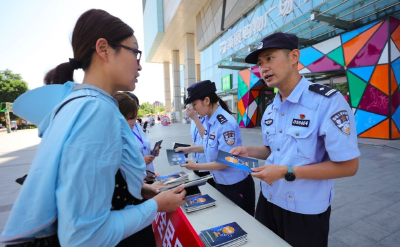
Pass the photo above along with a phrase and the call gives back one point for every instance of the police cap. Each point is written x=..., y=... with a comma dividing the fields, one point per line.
x=199, y=90
x=275, y=40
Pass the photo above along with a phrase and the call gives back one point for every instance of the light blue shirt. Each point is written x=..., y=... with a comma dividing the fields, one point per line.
x=143, y=143
x=197, y=140
x=223, y=133
x=72, y=177
x=305, y=129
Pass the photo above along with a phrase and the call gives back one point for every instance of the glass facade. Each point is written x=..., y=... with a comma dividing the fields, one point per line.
x=226, y=54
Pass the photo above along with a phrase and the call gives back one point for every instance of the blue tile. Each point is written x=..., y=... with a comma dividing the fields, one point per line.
x=365, y=120
x=363, y=72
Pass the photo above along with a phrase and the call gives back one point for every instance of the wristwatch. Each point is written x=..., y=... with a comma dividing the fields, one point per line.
x=289, y=176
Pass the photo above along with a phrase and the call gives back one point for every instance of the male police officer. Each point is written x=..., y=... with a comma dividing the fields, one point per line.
x=309, y=139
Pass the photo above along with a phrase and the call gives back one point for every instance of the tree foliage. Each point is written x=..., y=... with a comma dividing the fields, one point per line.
x=145, y=108
x=11, y=86
x=159, y=109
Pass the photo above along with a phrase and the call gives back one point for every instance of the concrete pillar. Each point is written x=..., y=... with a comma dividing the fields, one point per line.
x=198, y=73
x=167, y=88
x=190, y=70
x=176, y=92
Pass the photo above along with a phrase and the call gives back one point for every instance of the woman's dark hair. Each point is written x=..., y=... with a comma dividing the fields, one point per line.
x=214, y=99
x=91, y=26
x=127, y=106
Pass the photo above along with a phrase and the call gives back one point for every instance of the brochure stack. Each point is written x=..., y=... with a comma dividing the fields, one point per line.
x=226, y=235
x=197, y=203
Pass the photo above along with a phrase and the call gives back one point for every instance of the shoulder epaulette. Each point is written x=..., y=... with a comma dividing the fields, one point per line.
x=322, y=89
x=221, y=119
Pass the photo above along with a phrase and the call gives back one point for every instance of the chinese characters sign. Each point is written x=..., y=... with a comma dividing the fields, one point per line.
x=226, y=82
x=174, y=230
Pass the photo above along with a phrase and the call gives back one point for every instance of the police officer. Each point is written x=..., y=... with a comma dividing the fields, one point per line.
x=222, y=133
x=309, y=139
x=197, y=130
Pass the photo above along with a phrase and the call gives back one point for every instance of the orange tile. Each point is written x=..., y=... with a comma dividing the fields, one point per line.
x=241, y=107
x=380, y=78
x=245, y=74
x=300, y=66
x=254, y=118
x=379, y=131
x=352, y=47
x=395, y=131
x=255, y=94
x=396, y=37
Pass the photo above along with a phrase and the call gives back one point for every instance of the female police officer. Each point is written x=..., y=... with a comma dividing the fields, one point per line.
x=222, y=133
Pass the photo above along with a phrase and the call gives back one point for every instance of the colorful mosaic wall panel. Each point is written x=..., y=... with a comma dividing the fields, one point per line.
x=248, y=95
x=370, y=56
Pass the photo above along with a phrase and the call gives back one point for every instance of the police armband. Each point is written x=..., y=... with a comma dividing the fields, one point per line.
x=322, y=90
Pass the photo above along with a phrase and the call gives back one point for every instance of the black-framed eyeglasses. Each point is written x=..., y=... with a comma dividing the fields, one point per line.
x=137, y=52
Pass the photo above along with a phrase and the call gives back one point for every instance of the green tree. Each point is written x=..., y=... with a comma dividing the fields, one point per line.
x=146, y=108
x=11, y=86
x=159, y=109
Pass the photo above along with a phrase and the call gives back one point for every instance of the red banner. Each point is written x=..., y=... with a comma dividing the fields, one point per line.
x=174, y=230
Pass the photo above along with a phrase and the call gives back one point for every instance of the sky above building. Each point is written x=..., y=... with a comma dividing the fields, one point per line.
x=35, y=37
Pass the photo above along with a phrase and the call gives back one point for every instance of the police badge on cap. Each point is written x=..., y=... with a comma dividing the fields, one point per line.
x=260, y=45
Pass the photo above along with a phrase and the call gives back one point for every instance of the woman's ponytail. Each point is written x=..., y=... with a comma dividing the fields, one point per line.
x=60, y=74
x=224, y=105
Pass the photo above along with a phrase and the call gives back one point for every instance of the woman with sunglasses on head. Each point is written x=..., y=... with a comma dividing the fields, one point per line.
x=222, y=133
x=66, y=199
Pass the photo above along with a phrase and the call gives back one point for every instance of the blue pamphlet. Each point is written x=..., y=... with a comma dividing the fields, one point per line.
x=223, y=235
x=198, y=201
x=175, y=158
x=238, y=162
x=172, y=178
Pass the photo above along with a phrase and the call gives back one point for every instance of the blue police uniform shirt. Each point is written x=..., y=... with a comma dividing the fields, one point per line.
x=143, y=143
x=197, y=140
x=223, y=133
x=305, y=129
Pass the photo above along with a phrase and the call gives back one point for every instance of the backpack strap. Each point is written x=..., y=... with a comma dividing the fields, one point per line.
x=66, y=102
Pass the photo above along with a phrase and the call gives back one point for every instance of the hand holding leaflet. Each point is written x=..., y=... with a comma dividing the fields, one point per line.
x=175, y=158
x=177, y=145
x=238, y=162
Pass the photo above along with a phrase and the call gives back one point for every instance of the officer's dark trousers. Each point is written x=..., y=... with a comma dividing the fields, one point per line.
x=299, y=230
x=242, y=193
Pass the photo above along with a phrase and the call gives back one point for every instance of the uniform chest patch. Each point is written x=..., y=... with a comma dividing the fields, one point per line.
x=221, y=119
x=212, y=136
x=268, y=122
x=300, y=122
x=341, y=121
x=229, y=137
